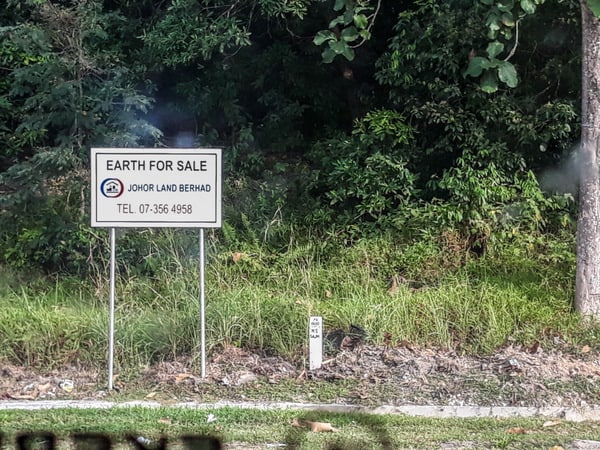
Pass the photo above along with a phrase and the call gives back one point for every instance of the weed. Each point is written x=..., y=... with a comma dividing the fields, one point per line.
x=261, y=299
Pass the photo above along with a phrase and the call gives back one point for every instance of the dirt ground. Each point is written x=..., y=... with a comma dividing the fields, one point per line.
x=358, y=374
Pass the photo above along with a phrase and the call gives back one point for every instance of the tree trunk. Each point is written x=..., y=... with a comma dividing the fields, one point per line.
x=587, y=289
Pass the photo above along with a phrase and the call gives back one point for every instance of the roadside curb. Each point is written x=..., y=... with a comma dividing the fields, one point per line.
x=583, y=414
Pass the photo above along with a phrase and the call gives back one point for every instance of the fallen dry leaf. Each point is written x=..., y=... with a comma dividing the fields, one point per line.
x=315, y=427
x=182, y=377
x=557, y=447
x=43, y=388
x=387, y=339
x=585, y=349
x=405, y=344
x=151, y=394
x=237, y=256
x=245, y=378
x=165, y=420
x=394, y=288
x=550, y=423
x=534, y=348
x=517, y=430
x=23, y=397
x=328, y=293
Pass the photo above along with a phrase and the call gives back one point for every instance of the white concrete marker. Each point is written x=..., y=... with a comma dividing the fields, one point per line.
x=315, y=342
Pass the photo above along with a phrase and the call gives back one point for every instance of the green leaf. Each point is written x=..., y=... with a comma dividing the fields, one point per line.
x=505, y=5
x=339, y=47
x=508, y=20
x=350, y=34
x=360, y=21
x=328, y=55
x=476, y=66
x=339, y=4
x=528, y=6
x=494, y=49
x=337, y=21
x=348, y=16
x=508, y=74
x=489, y=83
x=348, y=53
x=486, y=2
x=4, y=103
x=323, y=36
x=493, y=22
x=506, y=34
x=594, y=6
x=365, y=34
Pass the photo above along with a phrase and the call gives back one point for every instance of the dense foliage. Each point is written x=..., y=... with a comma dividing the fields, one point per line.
x=346, y=116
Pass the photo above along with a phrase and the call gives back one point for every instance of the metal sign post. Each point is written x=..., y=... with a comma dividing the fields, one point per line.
x=202, y=318
x=152, y=187
x=111, y=315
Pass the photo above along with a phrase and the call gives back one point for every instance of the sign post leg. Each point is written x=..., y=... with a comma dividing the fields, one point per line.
x=202, y=318
x=111, y=321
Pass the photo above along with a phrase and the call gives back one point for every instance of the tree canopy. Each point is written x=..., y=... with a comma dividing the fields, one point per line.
x=395, y=116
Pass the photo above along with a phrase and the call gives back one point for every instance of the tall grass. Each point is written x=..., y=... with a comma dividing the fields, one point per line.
x=261, y=299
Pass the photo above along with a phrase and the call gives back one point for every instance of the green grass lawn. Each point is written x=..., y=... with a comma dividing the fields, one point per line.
x=267, y=428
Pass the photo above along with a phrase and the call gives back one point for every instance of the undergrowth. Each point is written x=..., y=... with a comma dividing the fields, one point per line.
x=425, y=293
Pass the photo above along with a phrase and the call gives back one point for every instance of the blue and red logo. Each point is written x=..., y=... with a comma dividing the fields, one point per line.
x=112, y=187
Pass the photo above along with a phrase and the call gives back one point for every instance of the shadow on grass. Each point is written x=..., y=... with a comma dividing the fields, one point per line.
x=376, y=426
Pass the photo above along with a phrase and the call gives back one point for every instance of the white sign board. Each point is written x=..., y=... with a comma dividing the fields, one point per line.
x=153, y=187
